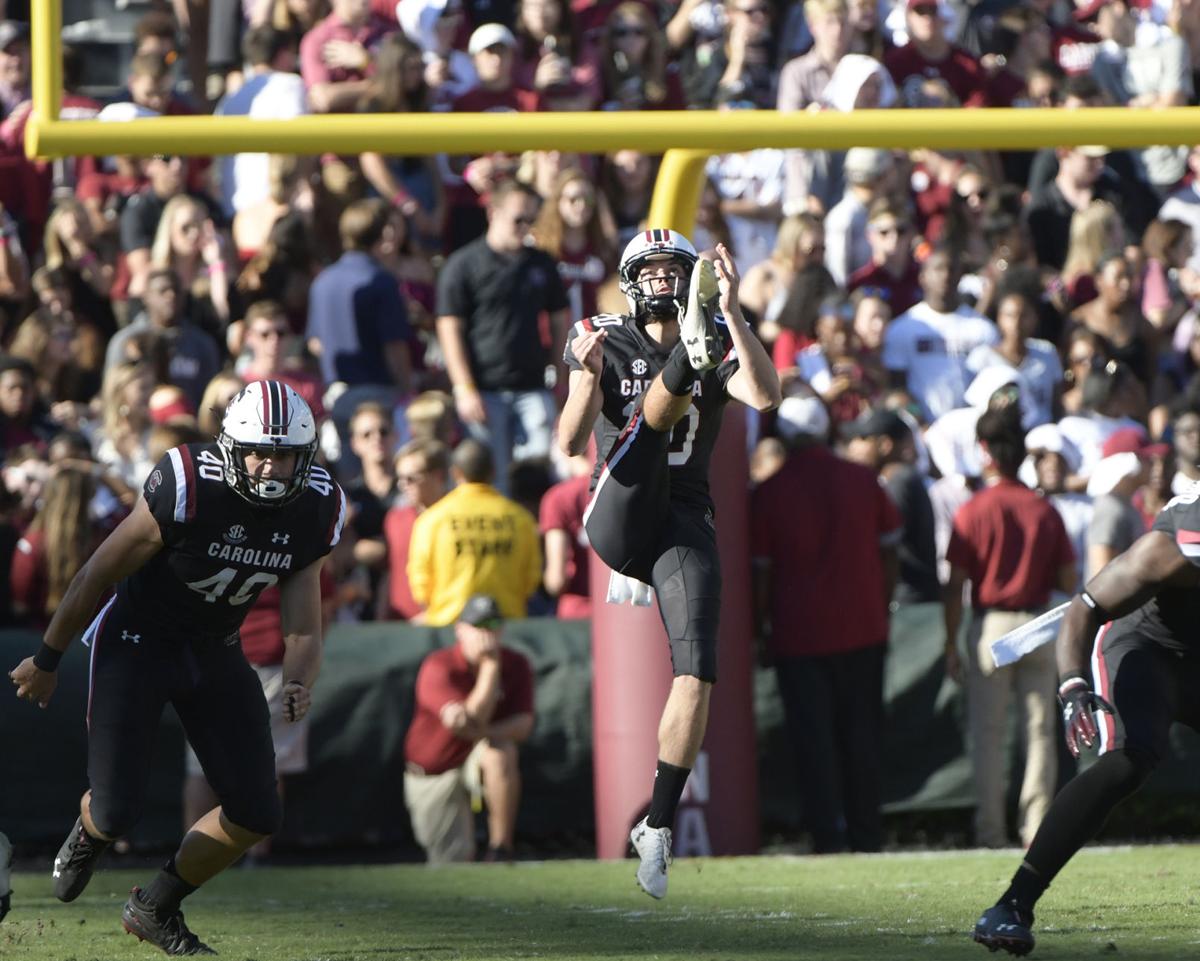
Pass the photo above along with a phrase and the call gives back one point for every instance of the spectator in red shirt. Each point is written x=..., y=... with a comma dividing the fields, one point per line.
x=422, y=476
x=565, y=543
x=1012, y=546
x=335, y=55
x=474, y=706
x=929, y=53
x=892, y=275
x=823, y=535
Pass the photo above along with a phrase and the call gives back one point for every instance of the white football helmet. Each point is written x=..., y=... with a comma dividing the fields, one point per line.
x=650, y=246
x=267, y=416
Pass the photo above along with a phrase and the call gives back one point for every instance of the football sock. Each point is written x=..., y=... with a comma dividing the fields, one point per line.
x=1026, y=887
x=1076, y=816
x=669, y=782
x=678, y=375
x=166, y=891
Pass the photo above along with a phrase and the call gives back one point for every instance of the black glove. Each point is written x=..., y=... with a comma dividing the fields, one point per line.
x=1079, y=702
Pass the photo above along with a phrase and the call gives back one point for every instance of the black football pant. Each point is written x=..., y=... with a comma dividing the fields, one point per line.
x=1150, y=687
x=637, y=529
x=219, y=700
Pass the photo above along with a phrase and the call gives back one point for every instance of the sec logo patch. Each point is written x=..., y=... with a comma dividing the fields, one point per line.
x=155, y=480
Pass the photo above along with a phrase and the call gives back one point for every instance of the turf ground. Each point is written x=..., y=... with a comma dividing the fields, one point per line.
x=1133, y=903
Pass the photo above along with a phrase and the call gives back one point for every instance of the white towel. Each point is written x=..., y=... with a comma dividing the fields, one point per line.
x=622, y=588
x=1014, y=645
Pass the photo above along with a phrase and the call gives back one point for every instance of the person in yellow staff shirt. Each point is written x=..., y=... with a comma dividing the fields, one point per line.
x=473, y=541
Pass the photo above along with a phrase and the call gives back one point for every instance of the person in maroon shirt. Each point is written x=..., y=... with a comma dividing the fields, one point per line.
x=930, y=54
x=474, y=706
x=1012, y=546
x=893, y=275
x=422, y=475
x=335, y=55
x=565, y=543
x=823, y=535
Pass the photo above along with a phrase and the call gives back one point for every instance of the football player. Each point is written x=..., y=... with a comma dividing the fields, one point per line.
x=1129, y=665
x=653, y=383
x=216, y=525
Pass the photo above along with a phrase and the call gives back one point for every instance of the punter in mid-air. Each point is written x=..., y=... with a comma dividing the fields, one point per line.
x=654, y=383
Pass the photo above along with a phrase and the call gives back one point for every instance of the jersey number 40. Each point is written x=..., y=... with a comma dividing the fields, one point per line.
x=213, y=588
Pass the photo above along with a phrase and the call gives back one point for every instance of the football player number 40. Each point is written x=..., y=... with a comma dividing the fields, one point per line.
x=213, y=588
x=682, y=437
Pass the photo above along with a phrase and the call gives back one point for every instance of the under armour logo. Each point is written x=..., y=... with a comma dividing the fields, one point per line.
x=136, y=638
x=278, y=538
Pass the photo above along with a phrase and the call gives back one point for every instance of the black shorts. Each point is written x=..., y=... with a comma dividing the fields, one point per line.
x=1149, y=685
x=637, y=529
x=135, y=673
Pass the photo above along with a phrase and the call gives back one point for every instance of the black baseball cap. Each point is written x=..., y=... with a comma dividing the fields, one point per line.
x=881, y=422
x=482, y=611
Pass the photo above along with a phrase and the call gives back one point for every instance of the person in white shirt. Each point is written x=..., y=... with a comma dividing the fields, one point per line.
x=272, y=90
x=1051, y=461
x=1037, y=360
x=868, y=173
x=925, y=349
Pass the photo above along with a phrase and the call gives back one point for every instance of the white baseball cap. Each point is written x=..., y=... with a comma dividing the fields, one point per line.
x=489, y=35
x=802, y=416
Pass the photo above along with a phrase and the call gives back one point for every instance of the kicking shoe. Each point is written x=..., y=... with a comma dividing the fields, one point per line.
x=1006, y=926
x=653, y=846
x=697, y=328
x=75, y=862
x=168, y=933
x=5, y=876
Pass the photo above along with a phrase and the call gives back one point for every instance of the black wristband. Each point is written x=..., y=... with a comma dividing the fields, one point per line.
x=47, y=658
x=1099, y=611
x=1069, y=676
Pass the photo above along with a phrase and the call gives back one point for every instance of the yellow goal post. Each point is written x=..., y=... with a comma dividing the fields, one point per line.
x=686, y=138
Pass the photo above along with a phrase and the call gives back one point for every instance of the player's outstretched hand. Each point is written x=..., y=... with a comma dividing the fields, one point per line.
x=727, y=281
x=589, y=351
x=32, y=683
x=296, y=701
x=1079, y=702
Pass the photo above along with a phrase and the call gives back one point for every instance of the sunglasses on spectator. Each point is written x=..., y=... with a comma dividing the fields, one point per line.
x=890, y=229
x=981, y=194
x=374, y=432
x=622, y=32
x=523, y=221
x=498, y=50
x=270, y=332
x=754, y=11
x=578, y=198
x=923, y=11
x=165, y=157
x=410, y=478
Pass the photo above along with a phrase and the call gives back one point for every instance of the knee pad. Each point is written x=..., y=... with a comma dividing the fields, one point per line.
x=258, y=815
x=114, y=817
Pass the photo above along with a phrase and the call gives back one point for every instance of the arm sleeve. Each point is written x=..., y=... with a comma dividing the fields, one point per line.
x=312, y=67
x=895, y=352
x=133, y=234
x=433, y=688
x=1180, y=520
x=518, y=684
x=577, y=329
x=891, y=518
x=170, y=492
x=552, y=514
x=556, y=293
x=958, y=551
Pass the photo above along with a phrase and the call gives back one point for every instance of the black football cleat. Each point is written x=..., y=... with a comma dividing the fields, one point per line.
x=169, y=933
x=1006, y=927
x=75, y=862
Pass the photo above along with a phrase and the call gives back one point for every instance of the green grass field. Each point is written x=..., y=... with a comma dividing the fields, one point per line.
x=1134, y=903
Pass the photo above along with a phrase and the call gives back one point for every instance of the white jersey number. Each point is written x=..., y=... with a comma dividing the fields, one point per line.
x=682, y=437
x=213, y=588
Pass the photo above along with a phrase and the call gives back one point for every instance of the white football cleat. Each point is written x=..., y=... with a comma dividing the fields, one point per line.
x=653, y=846
x=696, y=327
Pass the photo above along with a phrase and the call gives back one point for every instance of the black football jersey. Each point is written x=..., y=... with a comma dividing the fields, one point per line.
x=631, y=362
x=220, y=551
x=1172, y=617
